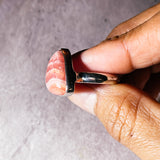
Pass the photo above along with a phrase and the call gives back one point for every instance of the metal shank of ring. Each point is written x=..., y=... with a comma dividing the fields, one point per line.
x=95, y=78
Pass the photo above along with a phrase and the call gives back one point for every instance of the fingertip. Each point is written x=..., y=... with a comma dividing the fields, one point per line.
x=84, y=97
x=108, y=57
x=77, y=62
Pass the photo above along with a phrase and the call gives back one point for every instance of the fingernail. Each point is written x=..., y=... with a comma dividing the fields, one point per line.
x=86, y=101
x=79, y=52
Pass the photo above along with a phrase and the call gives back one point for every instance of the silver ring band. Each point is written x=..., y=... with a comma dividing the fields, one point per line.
x=95, y=78
x=83, y=77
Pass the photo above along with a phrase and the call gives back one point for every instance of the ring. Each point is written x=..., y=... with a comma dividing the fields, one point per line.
x=61, y=77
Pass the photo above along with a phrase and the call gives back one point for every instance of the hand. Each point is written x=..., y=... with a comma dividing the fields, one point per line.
x=128, y=112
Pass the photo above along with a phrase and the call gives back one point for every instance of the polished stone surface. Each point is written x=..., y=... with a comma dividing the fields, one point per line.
x=34, y=124
x=55, y=74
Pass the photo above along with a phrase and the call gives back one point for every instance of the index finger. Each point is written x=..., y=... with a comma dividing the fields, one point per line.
x=136, y=49
x=135, y=21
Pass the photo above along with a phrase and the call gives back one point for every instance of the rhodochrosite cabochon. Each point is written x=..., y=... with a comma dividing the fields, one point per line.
x=55, y=75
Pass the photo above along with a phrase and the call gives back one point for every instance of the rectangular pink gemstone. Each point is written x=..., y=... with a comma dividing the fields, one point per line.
x=55, y=75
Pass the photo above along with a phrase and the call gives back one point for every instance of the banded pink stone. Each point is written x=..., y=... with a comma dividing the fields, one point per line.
x=55, y=74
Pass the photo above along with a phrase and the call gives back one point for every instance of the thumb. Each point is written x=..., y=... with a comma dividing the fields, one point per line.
x=129, y=115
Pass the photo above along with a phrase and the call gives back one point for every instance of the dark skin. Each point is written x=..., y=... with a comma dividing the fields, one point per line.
x=129, y=111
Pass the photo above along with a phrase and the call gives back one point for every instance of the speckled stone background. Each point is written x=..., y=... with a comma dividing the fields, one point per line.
x=35, y=125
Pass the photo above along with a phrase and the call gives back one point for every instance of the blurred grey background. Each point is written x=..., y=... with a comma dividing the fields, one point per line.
x=35, y=125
